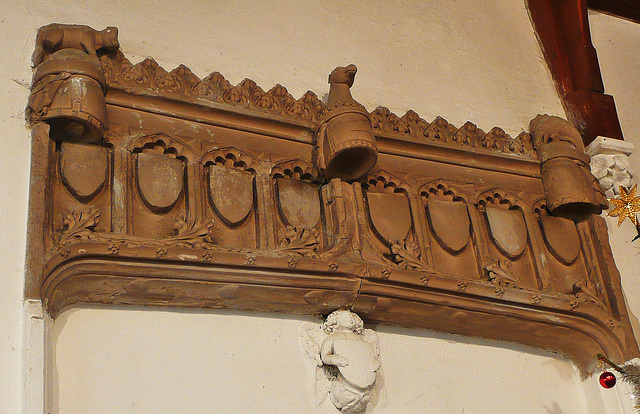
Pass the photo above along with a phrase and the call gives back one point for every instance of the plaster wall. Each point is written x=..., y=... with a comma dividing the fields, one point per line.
x=464, y=60
x=617, y=42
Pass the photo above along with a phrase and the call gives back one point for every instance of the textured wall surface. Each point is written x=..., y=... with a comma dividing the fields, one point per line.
x=617, y=42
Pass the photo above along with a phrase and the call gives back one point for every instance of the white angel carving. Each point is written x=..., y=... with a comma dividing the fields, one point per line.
x=347, y=358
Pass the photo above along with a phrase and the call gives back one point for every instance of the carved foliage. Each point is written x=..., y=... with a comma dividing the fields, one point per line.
x=79, y=225
x=412, y=126
x=149, y=75
x=300, y=242
x=407, y=254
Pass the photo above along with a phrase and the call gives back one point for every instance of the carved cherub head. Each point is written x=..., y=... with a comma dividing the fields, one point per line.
x=547, y=129
x=344, y=74
x=343, y=320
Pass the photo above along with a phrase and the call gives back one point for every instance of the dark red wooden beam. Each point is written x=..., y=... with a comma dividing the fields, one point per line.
x=562, y=27
x=627, y=9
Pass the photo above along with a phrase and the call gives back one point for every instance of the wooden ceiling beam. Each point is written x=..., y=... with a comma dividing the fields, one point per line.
x=627, y=9
x=562, y=28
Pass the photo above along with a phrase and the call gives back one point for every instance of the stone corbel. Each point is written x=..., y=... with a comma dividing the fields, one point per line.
x=610, y=164
x=69, y=85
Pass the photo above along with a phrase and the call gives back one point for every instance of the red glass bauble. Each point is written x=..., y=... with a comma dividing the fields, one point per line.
x=607, y=380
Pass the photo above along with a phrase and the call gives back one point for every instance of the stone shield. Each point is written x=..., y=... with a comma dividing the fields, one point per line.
x=231, y=193
x=160, y=180
x=298, y=202
x=561, y=236
x=83, y=169
x=508, y=230
x=450, y=223
x=390, y=215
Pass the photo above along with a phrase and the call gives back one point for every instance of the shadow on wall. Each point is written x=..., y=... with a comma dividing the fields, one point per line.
x=555, y=409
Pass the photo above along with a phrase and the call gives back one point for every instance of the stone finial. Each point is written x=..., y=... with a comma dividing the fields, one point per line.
x=346, y=146
x=570, y=188
x=69, y=84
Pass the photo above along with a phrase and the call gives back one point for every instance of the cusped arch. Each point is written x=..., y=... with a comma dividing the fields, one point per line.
x=387, y=182
x=447, y=188
x=501, y=196
x=230, y=156
x=170, y=146
x=296, y=169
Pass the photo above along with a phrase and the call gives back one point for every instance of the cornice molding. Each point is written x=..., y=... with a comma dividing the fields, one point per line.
x=149, y=78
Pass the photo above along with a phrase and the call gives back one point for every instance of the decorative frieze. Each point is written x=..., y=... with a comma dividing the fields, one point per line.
x=201, y=194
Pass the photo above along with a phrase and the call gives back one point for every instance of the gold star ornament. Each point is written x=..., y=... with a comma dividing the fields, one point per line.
x=626, y=206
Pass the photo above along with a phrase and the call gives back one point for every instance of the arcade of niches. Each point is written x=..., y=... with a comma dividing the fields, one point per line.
x=159, y=188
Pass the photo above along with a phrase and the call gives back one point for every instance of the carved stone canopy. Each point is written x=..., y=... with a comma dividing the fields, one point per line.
x=204, y=194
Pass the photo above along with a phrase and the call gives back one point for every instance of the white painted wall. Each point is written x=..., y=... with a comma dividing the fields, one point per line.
x=156, y=361
x=15, y=31
x=464, y=60
x=618, y=44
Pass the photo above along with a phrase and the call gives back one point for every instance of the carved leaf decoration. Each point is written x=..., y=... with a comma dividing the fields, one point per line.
x=562, y=238
x=390, y=215
x=508, y=230
x=83, y=169
x=231, y=193
x=192, y=232
x=584, y=291
x=499, y=274
x=299, y=202
x=79, y=225
x=300, y=242
x=149, y=76
x=160, y=180
x=407, y=255
x=450, y=223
